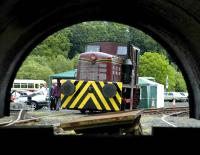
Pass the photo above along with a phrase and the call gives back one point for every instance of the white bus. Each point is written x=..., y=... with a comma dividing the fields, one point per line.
x=24, y=84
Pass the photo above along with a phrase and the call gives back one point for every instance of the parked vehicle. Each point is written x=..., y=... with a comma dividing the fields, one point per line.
x=36, y=100
x=184, y=96
x=25, y=84
x=178, y=96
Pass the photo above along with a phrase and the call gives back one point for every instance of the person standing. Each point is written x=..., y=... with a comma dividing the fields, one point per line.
x=57, y=94
x=52, y=98
x=44, y=89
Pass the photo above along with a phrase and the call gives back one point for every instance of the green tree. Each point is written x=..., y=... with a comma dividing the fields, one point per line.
x=86, y=32
x=60, y=64
x=144, y=41
x=156, y=65
x=74, y=61
x=60, y=51
x=95, y=31
x=57, y=43
x=118, y=32
x=33, y=70
x=180, y=83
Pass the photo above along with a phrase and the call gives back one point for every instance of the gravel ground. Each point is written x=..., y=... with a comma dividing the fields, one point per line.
x=177, y=104
x=21, y=105
x=149, y=121
x=7, y=119
x=52, y=118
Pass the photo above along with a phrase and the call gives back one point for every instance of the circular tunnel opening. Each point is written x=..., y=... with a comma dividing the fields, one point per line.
x=53, y=54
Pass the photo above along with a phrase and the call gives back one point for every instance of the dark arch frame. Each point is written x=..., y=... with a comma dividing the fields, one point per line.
x=23, y=24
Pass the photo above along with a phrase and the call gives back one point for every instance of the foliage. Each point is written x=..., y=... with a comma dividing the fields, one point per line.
x=156, y=65
x=60, y=52
x=33, y=70
x=55, y=44
x=86, y=32
x=60, y=64
x=74, y=61
x=144, y=42
x=180, y=83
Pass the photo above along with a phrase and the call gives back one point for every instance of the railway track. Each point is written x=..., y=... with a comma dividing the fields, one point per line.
x=17, y=117
x=175, y=110
x=19, y=114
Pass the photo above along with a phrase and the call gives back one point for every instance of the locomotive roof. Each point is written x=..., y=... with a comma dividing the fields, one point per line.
x=107, y=42
x=107, y=47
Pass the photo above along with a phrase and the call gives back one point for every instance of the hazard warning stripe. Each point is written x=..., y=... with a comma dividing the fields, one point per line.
x=101, y=96
x=68, y=98
x=118, y=97
x=95, y=102
x=63, y=97
x=76, y=106
x=80, y=95
x=76, y=94
x=66, y=101
x=100, y=99
x=106, y=99
x=119, y=86
x=119, y=90
x=83, y=94
x=114, y=104
x=84, y=101
x=90, y=95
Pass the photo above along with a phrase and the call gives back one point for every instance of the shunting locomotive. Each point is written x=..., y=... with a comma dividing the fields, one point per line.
x=107, y=79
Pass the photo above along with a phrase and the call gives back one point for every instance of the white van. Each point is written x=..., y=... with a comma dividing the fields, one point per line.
x=178, y=96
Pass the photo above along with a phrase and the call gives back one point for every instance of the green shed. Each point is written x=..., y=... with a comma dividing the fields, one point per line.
x=151, y=95
x=64, y=75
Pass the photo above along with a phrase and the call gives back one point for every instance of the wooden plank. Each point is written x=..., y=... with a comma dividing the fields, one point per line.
x=101, y=120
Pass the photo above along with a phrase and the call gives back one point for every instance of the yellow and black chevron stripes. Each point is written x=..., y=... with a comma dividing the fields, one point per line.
x=88, y=95
x=118, y=96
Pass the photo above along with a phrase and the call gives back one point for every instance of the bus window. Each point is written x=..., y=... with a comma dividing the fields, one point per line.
x=23, y=85
x=16, y=85
x=30, y=85
x=36, y=85
x=26, y=84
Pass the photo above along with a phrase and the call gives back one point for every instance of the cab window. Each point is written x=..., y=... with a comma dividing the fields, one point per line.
x=121, y=50
x=93, y=48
